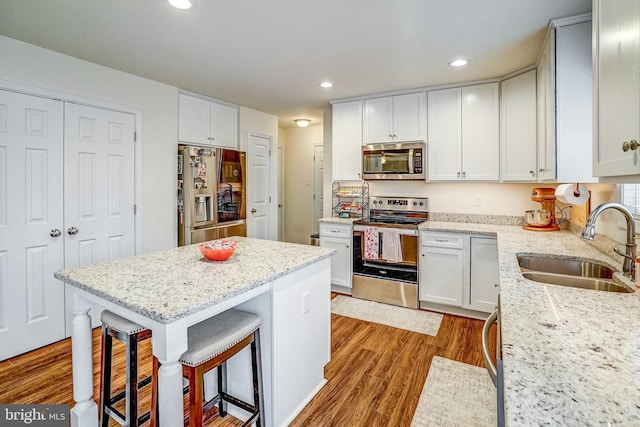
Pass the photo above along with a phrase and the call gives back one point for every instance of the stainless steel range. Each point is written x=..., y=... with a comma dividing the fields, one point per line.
x=385, y=250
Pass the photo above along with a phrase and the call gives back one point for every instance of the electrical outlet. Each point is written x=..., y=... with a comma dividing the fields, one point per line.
x=306, y=304
x=477, y=200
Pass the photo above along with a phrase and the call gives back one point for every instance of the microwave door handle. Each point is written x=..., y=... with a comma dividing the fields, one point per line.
x=410, y=160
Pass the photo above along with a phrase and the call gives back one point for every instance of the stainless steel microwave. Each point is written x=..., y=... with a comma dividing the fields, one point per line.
x=394, y=161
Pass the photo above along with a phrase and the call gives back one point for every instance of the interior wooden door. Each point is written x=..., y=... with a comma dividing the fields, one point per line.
x=98, y=187
x=258, y=187
x=31, y=223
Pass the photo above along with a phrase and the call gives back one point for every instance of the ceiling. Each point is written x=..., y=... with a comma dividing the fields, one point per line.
x=271, y=55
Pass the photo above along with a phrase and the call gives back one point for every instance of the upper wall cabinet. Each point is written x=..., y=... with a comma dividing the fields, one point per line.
x=463, y=133
x=616, y=67
x=518, y=133
x=565, y=102
x=205, y=122
x=398, y=118
x=346, y=137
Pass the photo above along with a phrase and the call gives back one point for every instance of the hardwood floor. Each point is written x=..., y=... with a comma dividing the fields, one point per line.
x=375, y=376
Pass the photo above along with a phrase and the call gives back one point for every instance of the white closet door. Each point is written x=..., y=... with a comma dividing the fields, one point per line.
x=258, y=187
x=99, y=185
x=31, y=299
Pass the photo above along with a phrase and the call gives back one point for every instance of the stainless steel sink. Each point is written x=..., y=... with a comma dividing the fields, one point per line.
x=570, y=272
x=571, y=267
x=577, y=282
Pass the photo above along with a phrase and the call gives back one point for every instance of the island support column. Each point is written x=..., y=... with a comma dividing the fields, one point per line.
x=169, y=342
x=85, y=411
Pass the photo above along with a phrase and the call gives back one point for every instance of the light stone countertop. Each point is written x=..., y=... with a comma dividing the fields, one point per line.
x=172, y=284
x=337, y=220
x=571, y=357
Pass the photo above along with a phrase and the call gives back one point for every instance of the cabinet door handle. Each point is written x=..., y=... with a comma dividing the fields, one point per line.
x=441, y=240
x=55, y=233
x=464, y=174
x=253, y=210
x=72, y=231
x=458, y=174
x=533, y=173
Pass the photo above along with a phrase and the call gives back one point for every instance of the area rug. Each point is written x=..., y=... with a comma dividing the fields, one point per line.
x=456, y=394
x=410, y=319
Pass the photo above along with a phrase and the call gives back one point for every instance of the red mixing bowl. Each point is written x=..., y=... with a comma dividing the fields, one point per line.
x=218, y=250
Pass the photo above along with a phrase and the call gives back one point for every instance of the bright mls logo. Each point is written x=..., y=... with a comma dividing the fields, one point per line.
x=34, y=415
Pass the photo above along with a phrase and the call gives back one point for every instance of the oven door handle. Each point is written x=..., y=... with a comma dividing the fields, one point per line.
x=491, y=367
x=402, y=231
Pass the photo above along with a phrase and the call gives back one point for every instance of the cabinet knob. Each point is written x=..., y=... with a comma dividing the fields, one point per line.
x=629, y=145
x=533, y=173
x=55, y=233
x=72, y=231
x=464, y=174
x=253, y=210
x=541, y=170
x=458, y=174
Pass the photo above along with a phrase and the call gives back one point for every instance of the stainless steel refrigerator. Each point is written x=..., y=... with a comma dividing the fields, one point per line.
x=211, y=194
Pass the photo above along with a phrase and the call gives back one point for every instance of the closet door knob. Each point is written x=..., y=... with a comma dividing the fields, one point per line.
x=55, y=233
x=71, y=231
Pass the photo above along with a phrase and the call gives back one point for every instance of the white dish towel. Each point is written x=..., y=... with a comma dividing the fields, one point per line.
x=391, y=247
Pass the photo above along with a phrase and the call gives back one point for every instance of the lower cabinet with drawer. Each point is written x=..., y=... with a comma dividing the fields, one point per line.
x=458, y=273
x=339, y=237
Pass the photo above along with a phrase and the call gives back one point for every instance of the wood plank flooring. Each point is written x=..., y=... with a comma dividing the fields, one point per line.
x=375, y=376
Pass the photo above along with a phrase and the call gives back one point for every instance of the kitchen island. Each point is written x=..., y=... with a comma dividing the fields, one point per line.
x=287, y=285
x=570, y=356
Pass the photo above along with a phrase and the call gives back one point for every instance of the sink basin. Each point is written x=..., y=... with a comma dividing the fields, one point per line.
x=570, y=267
x=570, y=272
x=577, y=282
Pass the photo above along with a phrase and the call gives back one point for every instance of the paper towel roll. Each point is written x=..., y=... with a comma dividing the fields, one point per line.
x=565, y=194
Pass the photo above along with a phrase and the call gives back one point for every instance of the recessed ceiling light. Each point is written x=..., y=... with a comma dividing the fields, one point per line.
x=180, y=4
x=303, y=123
x=458, y=63
x=326, y=84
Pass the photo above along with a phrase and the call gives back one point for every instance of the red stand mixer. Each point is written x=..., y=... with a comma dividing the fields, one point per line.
x=543, y=219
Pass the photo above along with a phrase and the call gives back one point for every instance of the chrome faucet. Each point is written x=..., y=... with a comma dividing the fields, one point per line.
x=629, y=263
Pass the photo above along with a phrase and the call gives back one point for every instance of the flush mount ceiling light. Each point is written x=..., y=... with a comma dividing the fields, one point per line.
x=458, y=63
x=326, y=85
x=180, y=4
x=303, y=123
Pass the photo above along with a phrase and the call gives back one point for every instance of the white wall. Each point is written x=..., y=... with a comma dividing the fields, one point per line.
x=158, y=103
x=299, y=181
x=40, y=70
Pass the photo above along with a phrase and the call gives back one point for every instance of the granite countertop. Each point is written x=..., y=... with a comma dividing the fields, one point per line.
x=171, y=284
x=571, y=356
x=337, y=220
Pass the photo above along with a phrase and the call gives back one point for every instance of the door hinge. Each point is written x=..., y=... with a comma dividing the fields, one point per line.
x=269, y=199
x=314, y=197
x=135, y=136
x=135, y=209
x=269, y=153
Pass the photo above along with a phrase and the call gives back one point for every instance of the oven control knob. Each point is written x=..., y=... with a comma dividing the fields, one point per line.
x=421, y=203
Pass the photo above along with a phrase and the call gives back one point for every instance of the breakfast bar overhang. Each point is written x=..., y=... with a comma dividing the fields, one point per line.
x=287, y=285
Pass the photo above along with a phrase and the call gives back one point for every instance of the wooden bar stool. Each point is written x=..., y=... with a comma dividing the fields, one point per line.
x=130, y=333
x=211, y=343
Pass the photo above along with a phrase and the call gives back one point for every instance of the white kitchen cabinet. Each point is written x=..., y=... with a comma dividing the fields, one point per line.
x=346, y=137
x=459, y=271
x=463, y=133
x=616, y=26
x=204, y=122
x=339, y=237
x=398, y=118
x=565, y=102
x=518, y=128
x=484, y=274
x=443, y=268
